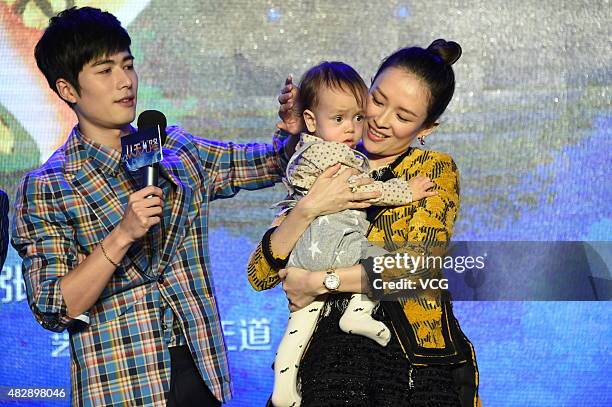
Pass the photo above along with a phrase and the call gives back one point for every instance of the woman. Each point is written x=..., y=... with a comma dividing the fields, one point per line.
x=429, y=361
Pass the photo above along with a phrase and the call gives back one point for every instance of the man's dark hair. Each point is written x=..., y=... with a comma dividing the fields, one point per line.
x=75, y=37
x=334, y=75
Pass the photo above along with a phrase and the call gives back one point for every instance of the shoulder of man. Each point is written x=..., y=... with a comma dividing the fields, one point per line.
x=52, y=169
x=181, y=143
x=177, y=136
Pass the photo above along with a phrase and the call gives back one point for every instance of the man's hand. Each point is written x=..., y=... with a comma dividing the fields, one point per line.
x=289, y=110
x=141, y=213
x=82, y=286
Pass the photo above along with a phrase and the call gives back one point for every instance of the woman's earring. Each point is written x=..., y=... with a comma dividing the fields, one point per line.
x=422, y=140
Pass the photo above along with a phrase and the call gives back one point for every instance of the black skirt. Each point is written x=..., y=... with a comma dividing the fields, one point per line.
x=341, y=369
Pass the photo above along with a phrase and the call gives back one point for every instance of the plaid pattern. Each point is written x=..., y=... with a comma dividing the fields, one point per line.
x=69, y=204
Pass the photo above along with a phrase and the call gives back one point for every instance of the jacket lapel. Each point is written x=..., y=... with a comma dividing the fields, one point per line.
x=172, y=168
x=91, y=184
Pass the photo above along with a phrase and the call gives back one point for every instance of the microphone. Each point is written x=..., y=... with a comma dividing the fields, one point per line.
x=146, y=120
x=156, y=121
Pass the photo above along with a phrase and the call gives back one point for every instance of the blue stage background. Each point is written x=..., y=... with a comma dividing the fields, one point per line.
x=529, y=129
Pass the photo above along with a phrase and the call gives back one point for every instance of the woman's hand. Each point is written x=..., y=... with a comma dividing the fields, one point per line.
x=301, y=286
x=327, y=195
x=330, y=194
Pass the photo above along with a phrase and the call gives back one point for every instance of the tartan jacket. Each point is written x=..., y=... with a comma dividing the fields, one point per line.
x=69, y=204
x=425, y=327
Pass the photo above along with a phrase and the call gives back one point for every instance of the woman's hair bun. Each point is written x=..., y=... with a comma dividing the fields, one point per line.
x=449, y=51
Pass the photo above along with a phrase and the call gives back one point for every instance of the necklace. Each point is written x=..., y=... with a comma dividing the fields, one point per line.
x=385, y=172
x=381, y=172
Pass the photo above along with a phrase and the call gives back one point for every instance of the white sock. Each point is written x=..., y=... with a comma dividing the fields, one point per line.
x=300, y=327
x=357, y=319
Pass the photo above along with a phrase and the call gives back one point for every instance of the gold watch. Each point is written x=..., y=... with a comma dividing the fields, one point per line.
x=332, y=280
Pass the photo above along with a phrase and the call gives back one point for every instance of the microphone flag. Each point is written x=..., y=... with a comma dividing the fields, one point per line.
x=142, y=148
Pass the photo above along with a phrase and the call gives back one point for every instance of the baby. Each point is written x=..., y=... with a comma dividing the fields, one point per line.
x=333, y=97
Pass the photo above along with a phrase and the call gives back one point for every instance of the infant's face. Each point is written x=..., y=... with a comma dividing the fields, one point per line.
x=339, y=117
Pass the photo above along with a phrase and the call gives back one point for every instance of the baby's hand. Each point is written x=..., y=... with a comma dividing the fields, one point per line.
x=419, y=186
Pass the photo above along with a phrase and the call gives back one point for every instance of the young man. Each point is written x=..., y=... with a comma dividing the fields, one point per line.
x=136, y=297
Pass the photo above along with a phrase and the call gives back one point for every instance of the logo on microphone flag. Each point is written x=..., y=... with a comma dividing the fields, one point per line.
x=141, y=148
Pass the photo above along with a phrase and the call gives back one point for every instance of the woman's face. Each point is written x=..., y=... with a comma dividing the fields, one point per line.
x=396, y=109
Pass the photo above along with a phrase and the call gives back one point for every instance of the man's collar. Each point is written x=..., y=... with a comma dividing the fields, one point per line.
x=105, y=158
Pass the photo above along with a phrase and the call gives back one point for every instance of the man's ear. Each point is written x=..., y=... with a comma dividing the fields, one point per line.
x=66, y=91
x=309, y=119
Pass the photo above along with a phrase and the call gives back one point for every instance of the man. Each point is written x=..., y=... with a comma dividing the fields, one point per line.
x=125, y=268
x=4, y=209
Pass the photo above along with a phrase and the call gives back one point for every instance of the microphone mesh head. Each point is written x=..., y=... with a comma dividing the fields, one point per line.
x=153, y=118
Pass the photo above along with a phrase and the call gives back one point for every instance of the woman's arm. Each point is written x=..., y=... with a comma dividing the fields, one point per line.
x=303, y=286
x=329, y=194
x=429, y=228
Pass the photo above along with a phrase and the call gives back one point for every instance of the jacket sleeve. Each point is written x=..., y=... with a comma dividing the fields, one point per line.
x=306, y=167
x=394, y=192
x=41, y=236
x=233, y=167
x=320, y=156
x=263, y=266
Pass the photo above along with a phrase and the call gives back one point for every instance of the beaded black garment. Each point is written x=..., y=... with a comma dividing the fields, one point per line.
x=341, y=369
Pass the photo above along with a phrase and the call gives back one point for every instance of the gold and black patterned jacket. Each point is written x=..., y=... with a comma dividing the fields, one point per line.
x=425, y=326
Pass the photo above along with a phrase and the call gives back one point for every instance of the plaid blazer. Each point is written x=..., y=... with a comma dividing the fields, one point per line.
x=68, y=205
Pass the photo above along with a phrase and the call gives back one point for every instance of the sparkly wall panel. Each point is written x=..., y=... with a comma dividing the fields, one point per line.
x=529, y=128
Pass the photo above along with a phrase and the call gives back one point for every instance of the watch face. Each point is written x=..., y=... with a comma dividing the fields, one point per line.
x=332, y=281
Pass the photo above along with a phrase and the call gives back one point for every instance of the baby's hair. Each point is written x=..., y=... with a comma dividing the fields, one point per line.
x=334, y=75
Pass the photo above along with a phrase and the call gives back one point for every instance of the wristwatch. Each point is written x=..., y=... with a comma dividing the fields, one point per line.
x=332, y=280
